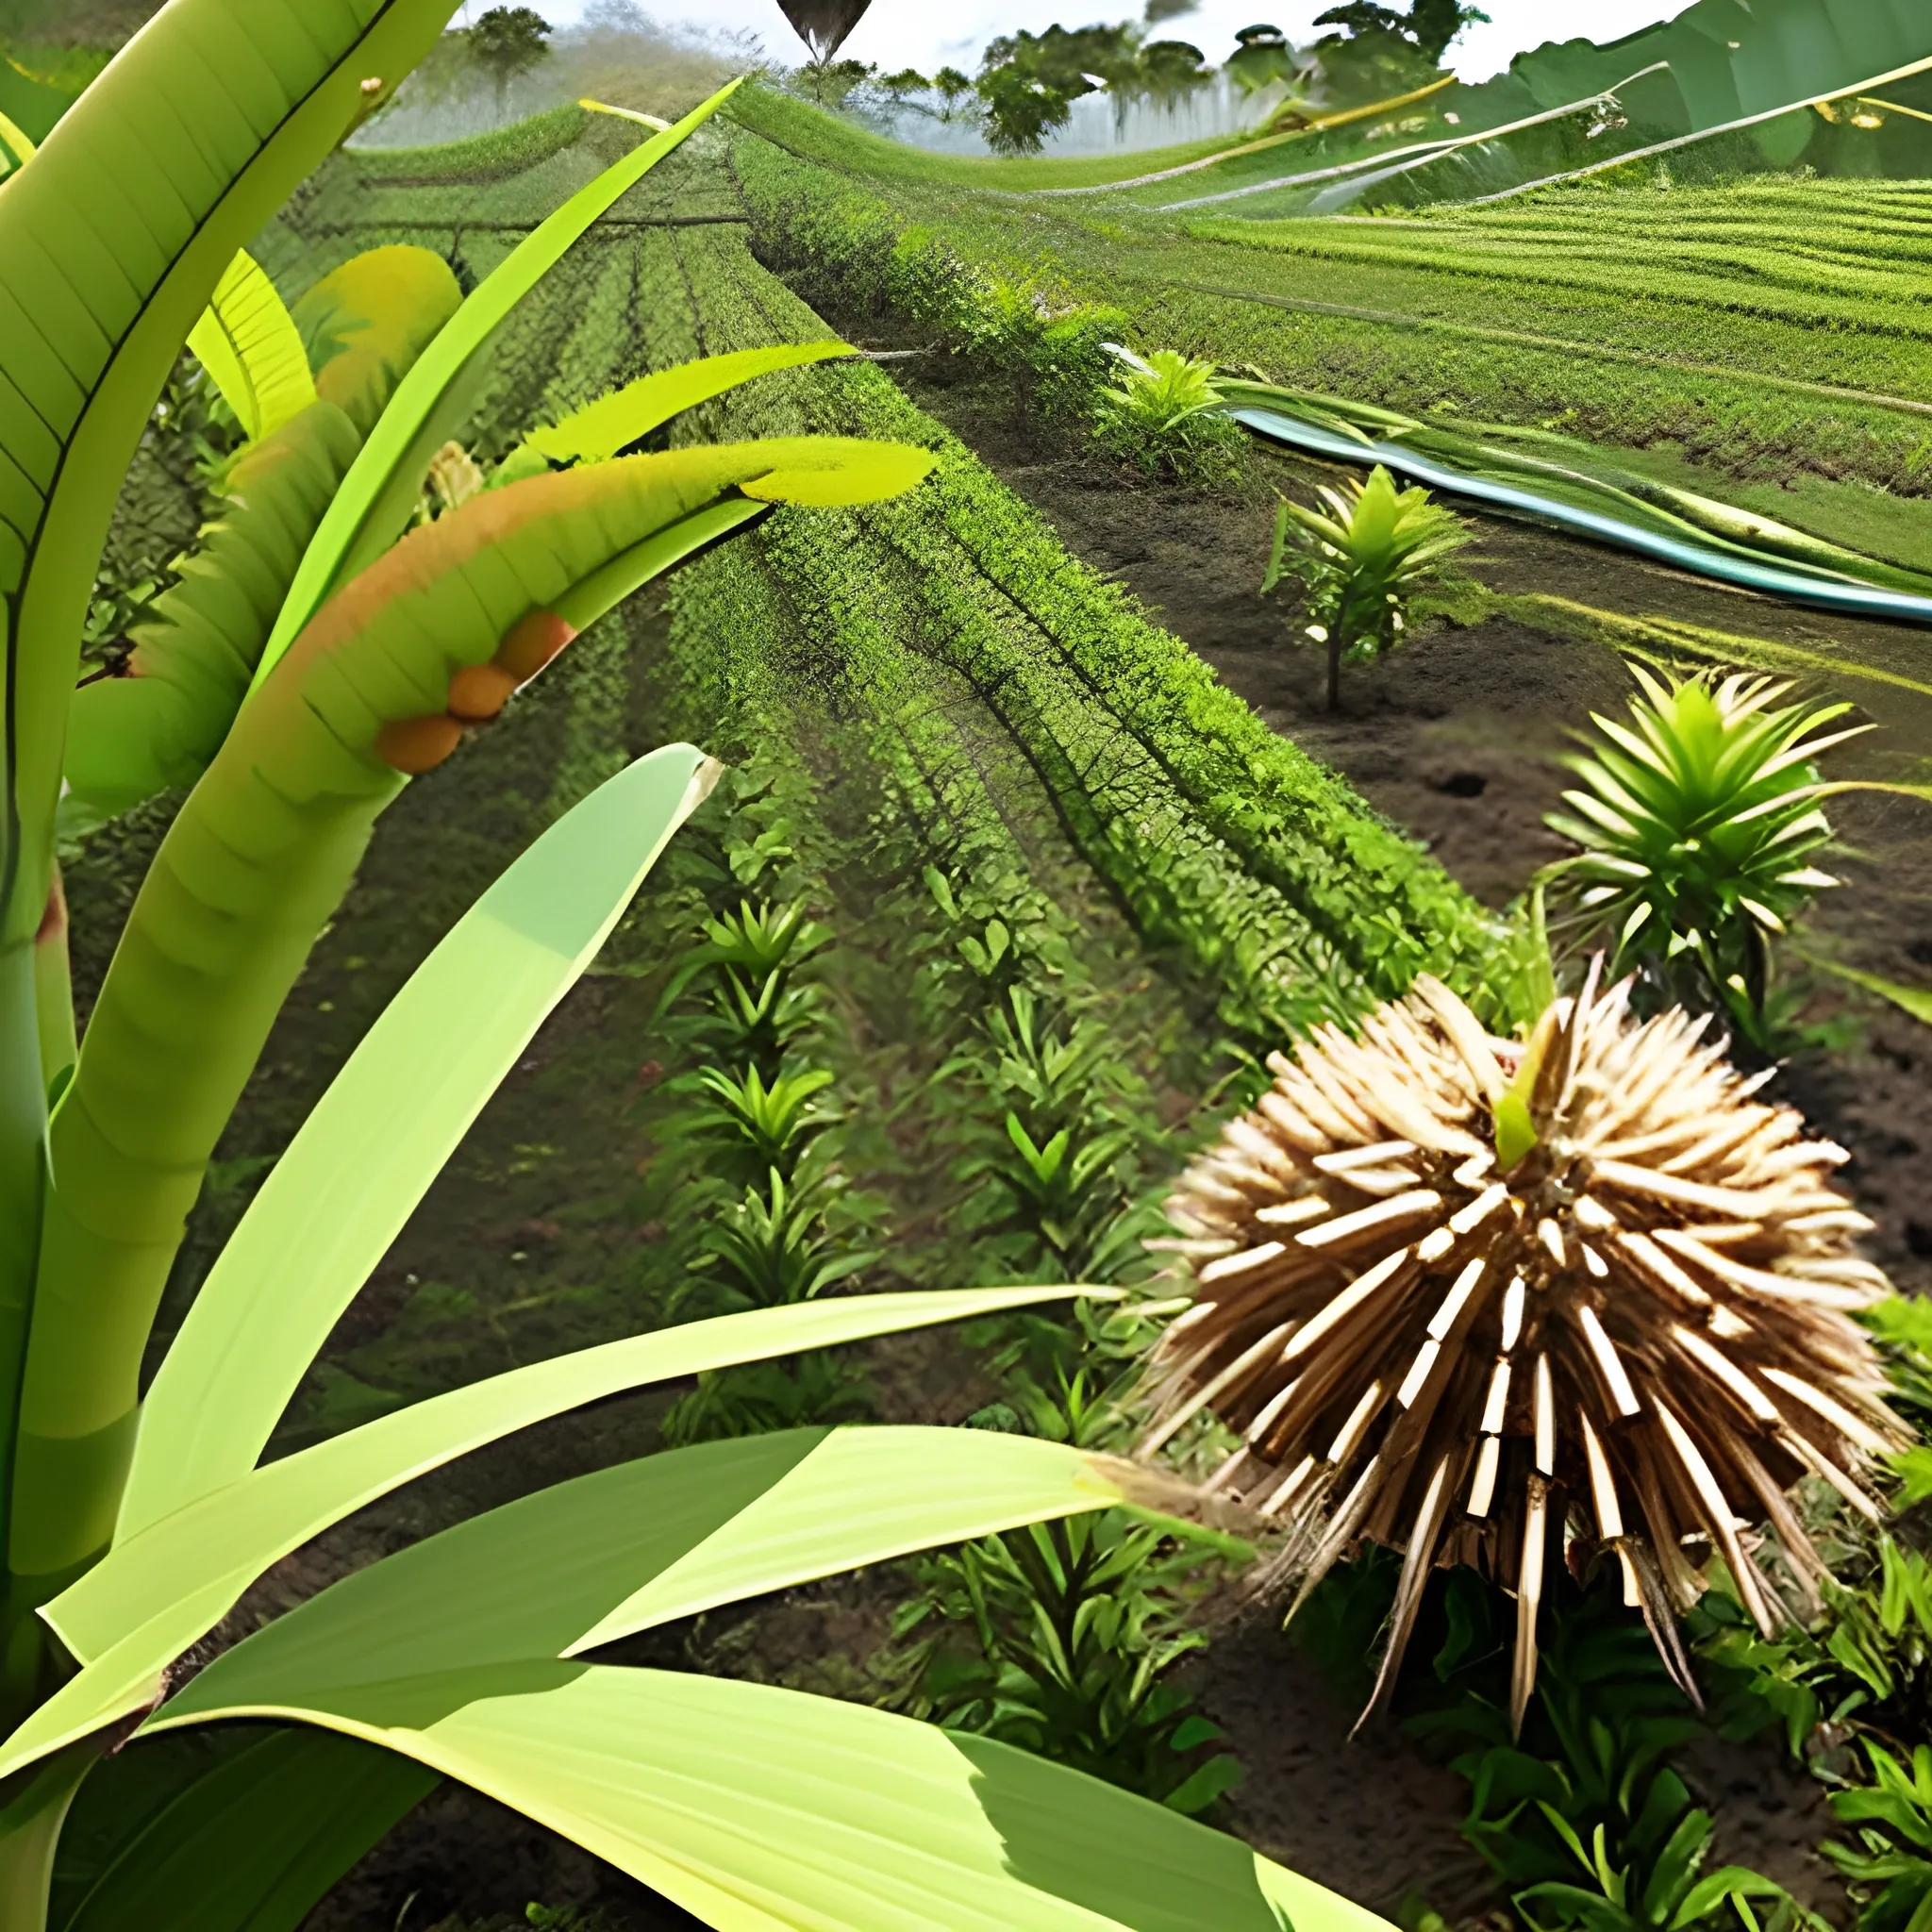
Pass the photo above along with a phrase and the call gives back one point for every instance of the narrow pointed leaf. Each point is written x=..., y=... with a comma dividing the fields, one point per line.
x=16, y=140
x=600, y=429
x=1915, y=1000
x=767, y=1810
x=249, y=344
x=389, y=462
x=587, y=1561
x=390, y=1118
x=156, y=1596
x=244, y=1528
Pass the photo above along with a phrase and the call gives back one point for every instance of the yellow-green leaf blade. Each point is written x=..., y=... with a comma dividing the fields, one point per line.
x=766, y=1810
x=600, y=429
x=390, y=1118
x=586, y=1561
x=252, y=1522
x=249, y=344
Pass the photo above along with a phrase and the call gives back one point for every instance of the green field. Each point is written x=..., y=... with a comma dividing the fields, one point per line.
x=1768, y=337
x=1072, y=852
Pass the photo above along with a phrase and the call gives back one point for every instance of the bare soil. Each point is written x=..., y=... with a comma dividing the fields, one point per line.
x=1455, y=736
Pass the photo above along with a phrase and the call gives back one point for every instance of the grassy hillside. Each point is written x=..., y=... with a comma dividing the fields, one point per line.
x=1765, y=341
x=813, y=135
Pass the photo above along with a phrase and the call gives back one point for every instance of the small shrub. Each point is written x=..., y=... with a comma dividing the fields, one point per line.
x=1362, y=561
x=1165, y=416
x=1889, y=1868
x=1061, y=1638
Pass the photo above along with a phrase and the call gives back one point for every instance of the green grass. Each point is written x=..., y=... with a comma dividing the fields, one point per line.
x=490, y=156
x=1732, y=362
x=814, y=135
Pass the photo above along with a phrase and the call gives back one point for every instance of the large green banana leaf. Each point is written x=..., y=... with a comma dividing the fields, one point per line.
x=114, y=237
x=1719, y=64
x=765, y=1811
x=250, y=1844
x=379, y=495
x=1727, y=60
x=429, y=642
x=154, y=1596
x=368, y=1151
x=249, y=344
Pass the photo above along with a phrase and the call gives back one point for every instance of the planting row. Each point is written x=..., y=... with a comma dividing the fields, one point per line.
x=1622, y=365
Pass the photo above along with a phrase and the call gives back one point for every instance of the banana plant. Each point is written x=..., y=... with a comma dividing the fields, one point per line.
x=134, y=1525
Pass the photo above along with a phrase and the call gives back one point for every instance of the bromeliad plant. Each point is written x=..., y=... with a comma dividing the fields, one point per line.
x=1362, y=559
x=335, y=664
x=1697, y=823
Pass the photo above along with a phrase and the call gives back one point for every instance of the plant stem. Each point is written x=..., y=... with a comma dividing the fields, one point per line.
x=23, y=1142
x=30, y=1831
x=54, y=989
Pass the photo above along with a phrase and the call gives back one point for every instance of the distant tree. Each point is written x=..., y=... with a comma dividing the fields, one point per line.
x=833, y=80
x=1160, y=10
x=1428, y=26
x=1435, y=23
x=953, y=87
x=1382, y=52
x=508, y=41
x=1028, y=82
x=1171, y=70
x=1261, y=57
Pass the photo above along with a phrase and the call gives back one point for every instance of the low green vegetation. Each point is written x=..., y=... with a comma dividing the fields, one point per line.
x=1444, y=314
x=1164, y=414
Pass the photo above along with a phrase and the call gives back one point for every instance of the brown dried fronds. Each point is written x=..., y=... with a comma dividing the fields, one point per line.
x=1457, y=1293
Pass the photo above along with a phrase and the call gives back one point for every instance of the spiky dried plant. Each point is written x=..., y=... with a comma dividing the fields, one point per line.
x=1458, y=1294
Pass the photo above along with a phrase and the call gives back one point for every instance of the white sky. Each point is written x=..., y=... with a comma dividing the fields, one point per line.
x=918, y=33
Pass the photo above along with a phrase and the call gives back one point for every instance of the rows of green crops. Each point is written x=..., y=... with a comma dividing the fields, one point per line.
x=978, y=763
x=1772, y=334
x=1276, y=891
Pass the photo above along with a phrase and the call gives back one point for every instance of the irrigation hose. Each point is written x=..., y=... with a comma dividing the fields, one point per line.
x=1770, y=579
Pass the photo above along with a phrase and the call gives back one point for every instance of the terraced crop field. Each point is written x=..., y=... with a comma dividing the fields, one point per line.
x=1767, y=336
x=1066, y=846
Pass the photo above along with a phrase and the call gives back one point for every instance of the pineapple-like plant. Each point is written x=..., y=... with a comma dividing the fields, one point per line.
x=1164, y=414
x=1362, y=556
x=1697, y=824
x=1462, y=1296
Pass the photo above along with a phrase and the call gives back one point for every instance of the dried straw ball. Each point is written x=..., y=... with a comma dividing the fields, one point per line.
x=1434, y=1331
